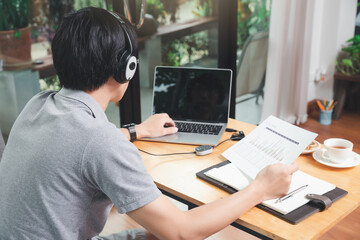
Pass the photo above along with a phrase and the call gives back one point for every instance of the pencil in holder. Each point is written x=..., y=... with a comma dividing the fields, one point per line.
x=325, y=117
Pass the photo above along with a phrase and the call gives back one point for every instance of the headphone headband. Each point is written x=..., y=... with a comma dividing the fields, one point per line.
x=128, y=62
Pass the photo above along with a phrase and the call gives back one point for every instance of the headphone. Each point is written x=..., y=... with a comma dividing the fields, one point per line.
x=127, y=62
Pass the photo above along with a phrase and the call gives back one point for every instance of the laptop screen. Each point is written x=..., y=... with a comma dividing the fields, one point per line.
x=195, y=94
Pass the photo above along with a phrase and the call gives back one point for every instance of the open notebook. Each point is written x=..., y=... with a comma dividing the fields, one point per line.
x=273, y=141
x=228, y=177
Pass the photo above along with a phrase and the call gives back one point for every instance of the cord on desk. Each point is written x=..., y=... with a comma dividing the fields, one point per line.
x=165, y=154
x=234, y=137
x=168, y=154
x=222, y=142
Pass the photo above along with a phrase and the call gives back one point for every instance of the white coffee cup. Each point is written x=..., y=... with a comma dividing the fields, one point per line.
x=338, y=150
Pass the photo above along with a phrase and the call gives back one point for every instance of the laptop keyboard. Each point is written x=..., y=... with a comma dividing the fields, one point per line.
x=198, y=128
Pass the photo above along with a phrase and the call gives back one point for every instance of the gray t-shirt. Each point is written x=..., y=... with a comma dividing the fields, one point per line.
x=63, y=168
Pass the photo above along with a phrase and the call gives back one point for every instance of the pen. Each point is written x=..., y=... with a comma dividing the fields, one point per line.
x=320, y=105
x=330, y=105
x=290, y=194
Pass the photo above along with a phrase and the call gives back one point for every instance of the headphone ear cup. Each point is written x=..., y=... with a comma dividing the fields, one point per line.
x=130, y=68
x=126, y=68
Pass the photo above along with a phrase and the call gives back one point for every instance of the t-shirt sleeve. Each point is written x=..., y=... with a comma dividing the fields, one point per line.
x=114, y=166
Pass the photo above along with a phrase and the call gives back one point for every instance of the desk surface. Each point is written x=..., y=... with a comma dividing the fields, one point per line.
x=176, y=175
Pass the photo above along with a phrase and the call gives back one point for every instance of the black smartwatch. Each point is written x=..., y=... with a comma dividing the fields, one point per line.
x=132, y=131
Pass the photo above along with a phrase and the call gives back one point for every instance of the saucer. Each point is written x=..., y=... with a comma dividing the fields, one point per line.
x=317, y=155
x=313, y=146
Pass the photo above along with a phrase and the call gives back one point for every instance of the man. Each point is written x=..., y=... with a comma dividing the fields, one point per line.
x=65, y=165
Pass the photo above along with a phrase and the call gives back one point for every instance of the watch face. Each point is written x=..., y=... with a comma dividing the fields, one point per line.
x=128, y=125
x=131, y=129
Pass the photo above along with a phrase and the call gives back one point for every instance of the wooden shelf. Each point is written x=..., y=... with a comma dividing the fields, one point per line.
x=178, y=30
x=341, y=76
x=341, y=86
x=46, y=69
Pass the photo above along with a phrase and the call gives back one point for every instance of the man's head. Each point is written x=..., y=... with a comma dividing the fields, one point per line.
x=90, y=46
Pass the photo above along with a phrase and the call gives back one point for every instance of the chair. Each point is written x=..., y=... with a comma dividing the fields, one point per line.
x=252, y=66
x=2, y=144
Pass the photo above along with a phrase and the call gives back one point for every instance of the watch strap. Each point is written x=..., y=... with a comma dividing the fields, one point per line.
x=132, y=131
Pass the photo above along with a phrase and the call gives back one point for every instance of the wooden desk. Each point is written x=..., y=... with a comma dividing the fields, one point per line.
x=176, y=175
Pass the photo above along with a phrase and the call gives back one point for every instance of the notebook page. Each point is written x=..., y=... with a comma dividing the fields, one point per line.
x=273, y=141
x=230, y=175
x=315, y=185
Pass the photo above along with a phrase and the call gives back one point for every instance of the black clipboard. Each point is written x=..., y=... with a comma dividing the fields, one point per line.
x=293, y=217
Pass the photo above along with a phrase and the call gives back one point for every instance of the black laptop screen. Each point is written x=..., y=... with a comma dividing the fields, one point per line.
x=196, y=94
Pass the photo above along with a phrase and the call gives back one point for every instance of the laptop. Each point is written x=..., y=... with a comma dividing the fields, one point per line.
x=198, y=101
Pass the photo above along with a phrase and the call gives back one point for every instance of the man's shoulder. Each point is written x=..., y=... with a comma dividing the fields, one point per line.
x=108, y=142
x=45, y=94
x=107, y=134
x=41, y=97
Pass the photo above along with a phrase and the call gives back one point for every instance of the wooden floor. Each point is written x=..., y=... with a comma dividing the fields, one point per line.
x=348, y=127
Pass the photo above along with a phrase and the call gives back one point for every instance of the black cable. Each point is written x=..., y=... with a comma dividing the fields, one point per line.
x=230, y=130
x=222, y=142
x=234, y=137
x=165, y=154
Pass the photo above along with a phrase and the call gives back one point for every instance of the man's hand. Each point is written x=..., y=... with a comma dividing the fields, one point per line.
x=274, y=180
x=166, y=221
x=156, y=126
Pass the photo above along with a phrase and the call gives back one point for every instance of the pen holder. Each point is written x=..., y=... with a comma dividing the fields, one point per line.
x=325, y=117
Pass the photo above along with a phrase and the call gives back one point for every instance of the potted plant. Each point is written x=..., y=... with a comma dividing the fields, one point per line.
x=348, y=60
x=15, y=39
x=155, y=14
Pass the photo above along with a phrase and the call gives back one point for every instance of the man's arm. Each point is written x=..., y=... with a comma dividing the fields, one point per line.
x=155, y=126
x=166, y=221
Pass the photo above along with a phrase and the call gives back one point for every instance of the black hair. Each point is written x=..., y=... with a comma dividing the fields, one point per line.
x=87, y=48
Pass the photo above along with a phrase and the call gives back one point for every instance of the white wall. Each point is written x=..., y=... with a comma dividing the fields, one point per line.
x=333, y=24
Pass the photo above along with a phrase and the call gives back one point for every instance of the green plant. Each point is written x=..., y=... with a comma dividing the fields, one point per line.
x=186, y=49
x=50, y=83
x=253, y=16
x=78, y=4
x=171, y=7
x=156, y=9
x=203, y=8
x=58, y=9
x=14, y=14
x=348, y=60
x=173, y=53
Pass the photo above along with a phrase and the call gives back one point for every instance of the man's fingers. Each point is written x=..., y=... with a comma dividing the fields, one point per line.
x=169, y=123
x=171, y=130
x=293, y=168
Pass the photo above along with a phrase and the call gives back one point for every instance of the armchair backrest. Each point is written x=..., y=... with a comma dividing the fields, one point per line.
x=252, y=63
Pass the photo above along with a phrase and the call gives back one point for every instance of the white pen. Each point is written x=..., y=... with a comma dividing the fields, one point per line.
x=290, y=194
